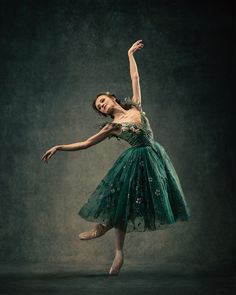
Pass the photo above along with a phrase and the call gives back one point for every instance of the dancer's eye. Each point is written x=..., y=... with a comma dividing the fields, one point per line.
x=101, y=101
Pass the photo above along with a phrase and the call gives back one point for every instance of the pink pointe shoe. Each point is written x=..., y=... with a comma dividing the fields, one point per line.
x=116, y=265
x=96, y=232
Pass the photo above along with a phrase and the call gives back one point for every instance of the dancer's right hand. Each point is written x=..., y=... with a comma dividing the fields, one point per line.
x=48, y=154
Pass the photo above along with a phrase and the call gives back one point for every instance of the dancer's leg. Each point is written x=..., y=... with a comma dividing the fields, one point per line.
x=119, y=239
x=98, y=231
x=119, y=254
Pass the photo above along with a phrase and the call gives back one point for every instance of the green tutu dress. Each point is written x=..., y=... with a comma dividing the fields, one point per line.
x=141, y=192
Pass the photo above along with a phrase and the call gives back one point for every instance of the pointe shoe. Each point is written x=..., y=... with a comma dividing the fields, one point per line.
x=96, y=232
x=114, y=270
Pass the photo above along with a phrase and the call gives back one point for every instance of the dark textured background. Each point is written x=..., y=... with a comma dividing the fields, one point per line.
x=55, y=57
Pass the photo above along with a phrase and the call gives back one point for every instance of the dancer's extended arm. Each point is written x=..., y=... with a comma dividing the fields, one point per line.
x=106, y=131
x=134, y=72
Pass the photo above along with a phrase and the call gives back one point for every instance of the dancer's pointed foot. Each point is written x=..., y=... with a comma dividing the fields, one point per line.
x=117, y=263
x=96, y=232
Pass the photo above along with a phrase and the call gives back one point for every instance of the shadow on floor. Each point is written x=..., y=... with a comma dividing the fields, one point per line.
x=97, y=281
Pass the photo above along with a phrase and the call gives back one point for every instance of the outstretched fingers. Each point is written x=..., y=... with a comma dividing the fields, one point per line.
x=46, y=157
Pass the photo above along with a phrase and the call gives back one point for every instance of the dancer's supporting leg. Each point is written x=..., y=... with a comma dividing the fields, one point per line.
x=119, y=256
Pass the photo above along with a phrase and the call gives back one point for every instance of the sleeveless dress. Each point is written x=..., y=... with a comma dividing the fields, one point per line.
x=142, y=191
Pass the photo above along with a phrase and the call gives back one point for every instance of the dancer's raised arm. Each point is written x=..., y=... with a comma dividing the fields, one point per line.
x=107, y=130
x=134, y=72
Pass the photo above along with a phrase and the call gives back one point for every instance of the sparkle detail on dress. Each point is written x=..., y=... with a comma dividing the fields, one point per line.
x=142, y=191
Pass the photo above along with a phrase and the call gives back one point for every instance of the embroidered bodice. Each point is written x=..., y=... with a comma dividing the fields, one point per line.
x=136, y=134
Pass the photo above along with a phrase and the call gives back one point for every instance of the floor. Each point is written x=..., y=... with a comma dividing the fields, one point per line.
x=71, y=279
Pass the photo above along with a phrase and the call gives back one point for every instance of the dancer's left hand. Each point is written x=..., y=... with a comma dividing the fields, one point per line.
x=135, y=46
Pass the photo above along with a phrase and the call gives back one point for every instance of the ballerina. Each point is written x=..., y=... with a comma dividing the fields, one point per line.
x=141, y=192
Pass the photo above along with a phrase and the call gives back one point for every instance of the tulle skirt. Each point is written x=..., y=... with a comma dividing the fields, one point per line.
x=141, y=192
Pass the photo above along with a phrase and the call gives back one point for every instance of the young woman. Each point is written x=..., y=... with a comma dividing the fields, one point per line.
x=141, y=192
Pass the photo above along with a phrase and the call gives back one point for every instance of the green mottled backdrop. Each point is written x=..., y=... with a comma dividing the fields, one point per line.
x=55, y=57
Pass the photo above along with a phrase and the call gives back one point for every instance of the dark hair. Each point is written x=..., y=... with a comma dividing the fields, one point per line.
x=126, y=103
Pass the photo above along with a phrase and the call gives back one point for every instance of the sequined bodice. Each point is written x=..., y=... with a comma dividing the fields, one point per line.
x=136, y=134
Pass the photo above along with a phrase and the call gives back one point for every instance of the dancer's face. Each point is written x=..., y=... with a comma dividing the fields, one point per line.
x=104, y=104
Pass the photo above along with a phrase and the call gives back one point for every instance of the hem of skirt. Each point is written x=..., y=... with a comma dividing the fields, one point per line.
x=96, y=220
x=161, y=226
